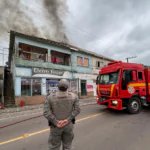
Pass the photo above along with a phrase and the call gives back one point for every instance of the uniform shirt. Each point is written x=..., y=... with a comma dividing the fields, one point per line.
x=61, y=106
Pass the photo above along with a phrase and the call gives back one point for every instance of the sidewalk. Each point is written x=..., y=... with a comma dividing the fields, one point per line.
x=9, y=112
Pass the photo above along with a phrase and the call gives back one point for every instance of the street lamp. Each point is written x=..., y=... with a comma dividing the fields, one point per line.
x=130, y=58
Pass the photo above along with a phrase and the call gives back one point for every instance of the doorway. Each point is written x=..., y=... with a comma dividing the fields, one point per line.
x=83, y=88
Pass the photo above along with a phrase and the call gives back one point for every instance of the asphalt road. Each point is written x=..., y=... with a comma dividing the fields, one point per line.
x=97, y=129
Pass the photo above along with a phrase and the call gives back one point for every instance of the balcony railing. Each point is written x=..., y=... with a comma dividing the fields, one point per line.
x=32, y=63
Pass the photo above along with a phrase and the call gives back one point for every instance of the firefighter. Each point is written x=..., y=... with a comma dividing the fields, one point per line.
x=60, y=109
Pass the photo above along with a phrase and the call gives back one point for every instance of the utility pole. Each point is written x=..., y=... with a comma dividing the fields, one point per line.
x=130, y=58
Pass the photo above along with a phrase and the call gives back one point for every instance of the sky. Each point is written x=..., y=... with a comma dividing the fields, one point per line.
x=113, y=28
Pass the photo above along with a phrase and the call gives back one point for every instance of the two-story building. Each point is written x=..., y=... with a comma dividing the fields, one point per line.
x=38, y=64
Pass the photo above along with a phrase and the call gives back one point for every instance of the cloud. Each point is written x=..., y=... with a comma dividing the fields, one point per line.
x=117, y=29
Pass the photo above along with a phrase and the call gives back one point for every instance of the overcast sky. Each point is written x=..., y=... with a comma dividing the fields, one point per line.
x=114, y=28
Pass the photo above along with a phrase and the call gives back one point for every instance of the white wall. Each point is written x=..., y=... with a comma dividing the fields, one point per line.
x=104, y=62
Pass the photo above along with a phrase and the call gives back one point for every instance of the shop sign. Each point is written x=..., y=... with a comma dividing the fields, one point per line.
x=47, y=71
x=85, y=76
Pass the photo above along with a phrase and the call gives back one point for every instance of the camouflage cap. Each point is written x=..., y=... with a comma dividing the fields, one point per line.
x=63, y=83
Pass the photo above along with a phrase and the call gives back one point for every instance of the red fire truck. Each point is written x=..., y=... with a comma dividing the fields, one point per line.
x=122, y=85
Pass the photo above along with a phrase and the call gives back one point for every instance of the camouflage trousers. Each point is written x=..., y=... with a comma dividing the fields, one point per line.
x=63, y=135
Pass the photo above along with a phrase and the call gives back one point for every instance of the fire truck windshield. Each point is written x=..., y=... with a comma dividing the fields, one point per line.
x=111, y=78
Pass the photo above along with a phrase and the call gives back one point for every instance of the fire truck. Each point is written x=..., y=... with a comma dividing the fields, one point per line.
x=122, y=85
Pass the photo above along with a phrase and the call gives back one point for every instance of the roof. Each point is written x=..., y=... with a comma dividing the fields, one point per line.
x=114, y=66
x=47, y=41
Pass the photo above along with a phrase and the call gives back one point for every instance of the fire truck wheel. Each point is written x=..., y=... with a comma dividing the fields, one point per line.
x=134, y=105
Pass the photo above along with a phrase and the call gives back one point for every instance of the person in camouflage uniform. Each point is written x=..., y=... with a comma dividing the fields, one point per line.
x=60, y=109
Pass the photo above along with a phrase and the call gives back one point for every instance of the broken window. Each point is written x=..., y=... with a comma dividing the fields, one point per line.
x=99, y=64
x=33, y=53
x=60, y=58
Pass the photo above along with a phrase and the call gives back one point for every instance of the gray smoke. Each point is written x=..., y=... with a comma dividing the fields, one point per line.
x=56, y=10
x=13, y=17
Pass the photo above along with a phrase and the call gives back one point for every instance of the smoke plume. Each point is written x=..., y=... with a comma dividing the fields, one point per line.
x=56, y=10
x=13, y=17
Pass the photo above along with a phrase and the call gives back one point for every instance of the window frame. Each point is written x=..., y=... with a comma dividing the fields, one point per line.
x=84, y=62
x=98, y=62
x=31, y=86
x=79, y=62
x=141, y=74
x=39, y=83
x=29, y=52
x=101, y=64
x=56, y=55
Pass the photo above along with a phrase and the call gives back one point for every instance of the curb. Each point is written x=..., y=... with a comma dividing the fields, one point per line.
x=36, y=117
x=33, y=113
x=88, y=104
x=26, y=108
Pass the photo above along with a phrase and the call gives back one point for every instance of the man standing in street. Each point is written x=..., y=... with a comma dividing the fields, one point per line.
x=60, y=109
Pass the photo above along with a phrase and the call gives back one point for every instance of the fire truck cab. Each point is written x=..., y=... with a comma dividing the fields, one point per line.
x=122, y=85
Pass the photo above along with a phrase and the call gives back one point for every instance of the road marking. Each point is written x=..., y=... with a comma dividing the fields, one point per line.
x=35, y=133
x=45, y=130
x=89, y=117
x=9, y=141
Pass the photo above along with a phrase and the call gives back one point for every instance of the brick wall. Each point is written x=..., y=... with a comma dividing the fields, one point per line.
x=32, y=100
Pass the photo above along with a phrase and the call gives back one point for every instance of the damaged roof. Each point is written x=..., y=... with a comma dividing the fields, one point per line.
x=47, y=41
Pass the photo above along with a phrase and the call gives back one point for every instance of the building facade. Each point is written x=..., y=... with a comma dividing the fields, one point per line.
x=37, y=66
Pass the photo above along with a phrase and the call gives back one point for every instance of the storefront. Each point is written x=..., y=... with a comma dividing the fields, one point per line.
x=33, y=84
x=87, y=85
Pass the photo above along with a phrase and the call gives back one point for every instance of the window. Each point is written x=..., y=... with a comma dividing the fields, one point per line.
x=60, y=58
x=30, y=87
x=33, y=53
x=111, y=78
x=26, y=87
x=86, y=62
x=36, y=87
x=99, y=64
x=79, y=60
x=126, y=78
x=140, y=77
